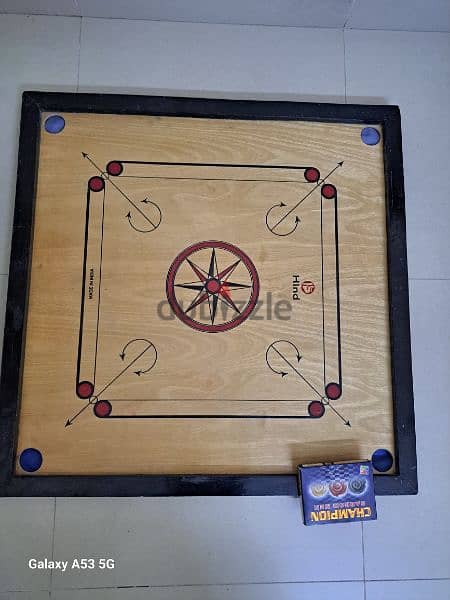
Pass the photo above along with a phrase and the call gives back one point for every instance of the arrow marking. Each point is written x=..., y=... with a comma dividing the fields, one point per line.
x=326, y=402
x=323, y=399
x=290, y=211
x=272, y=346
x=140, y=372
x=85, y=155
x=297, y=221
x=92, y=400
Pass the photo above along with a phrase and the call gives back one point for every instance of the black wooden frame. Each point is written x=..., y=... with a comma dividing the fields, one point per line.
x=387, y=117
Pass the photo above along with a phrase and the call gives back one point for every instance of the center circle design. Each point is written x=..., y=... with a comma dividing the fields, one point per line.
x=212, y=286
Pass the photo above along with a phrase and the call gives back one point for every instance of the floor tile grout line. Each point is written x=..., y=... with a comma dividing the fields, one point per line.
x=37, y=591
x=336, y=27
x=429, y=278
x=395, y=30
x=411, y=579
x=363, y=560
x=236, y=584
x=192, y=585
x=349, y=13
x=53, y=539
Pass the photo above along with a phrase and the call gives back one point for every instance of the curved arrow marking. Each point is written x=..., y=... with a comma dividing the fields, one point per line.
x=297, y=351
x=291, y=210
x=272, y=229
x=323, y=398
x=282, y=373
x=272, y=347
x=155, y=225
x=150, y=345
x=123, y=356
x=138, y=209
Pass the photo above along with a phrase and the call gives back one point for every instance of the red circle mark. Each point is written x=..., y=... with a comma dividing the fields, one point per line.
x=213, y=286
x=85, y=389
x=316, y=409
x=328, y=191
x=170, y=287
x=96, y=183
x=308, y=287
x=102, y=409
x=338, y=488
x=312, y=174
x=333, y=390
x=114, y=167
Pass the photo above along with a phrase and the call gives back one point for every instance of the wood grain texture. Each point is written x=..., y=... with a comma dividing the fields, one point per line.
x=196, y=373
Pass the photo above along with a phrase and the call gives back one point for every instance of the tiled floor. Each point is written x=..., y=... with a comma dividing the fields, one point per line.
x=183, y=541
x=248, y=548
x=281, y=591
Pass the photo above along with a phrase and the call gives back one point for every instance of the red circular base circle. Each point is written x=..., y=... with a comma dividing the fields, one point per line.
x=114, y=168
x=102, y=408
x=96, y=183
x=333, y=390
x=316, y=409
x=85, y=389
x=212, y=286
x=312, y=175
x=328, y=191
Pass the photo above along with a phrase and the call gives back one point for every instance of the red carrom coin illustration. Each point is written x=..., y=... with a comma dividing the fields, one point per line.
x=338, y=488
x=212, y=286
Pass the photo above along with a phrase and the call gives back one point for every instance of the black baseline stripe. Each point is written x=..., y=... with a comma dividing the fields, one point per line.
x=338, y=295
x=221, y=165
x=207, y=417
x=99, y=287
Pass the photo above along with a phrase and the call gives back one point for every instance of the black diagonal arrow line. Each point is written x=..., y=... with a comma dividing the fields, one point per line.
x=123, y=371
x=144, y=371
x=271, y=229
x=70, y=421
x=122, y=354
x=324, y=400
x=293, y=367
x=137, y=207
x=128, y=216
x=282, y=373
x=85, y=155
x=150, y=345
x=343, y=419
x=319, y=183
x=297, y=351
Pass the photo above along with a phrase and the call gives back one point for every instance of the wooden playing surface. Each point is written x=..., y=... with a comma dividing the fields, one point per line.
x=191, y=401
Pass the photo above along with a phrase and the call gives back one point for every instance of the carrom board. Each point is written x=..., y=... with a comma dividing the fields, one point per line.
x=204, y=294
